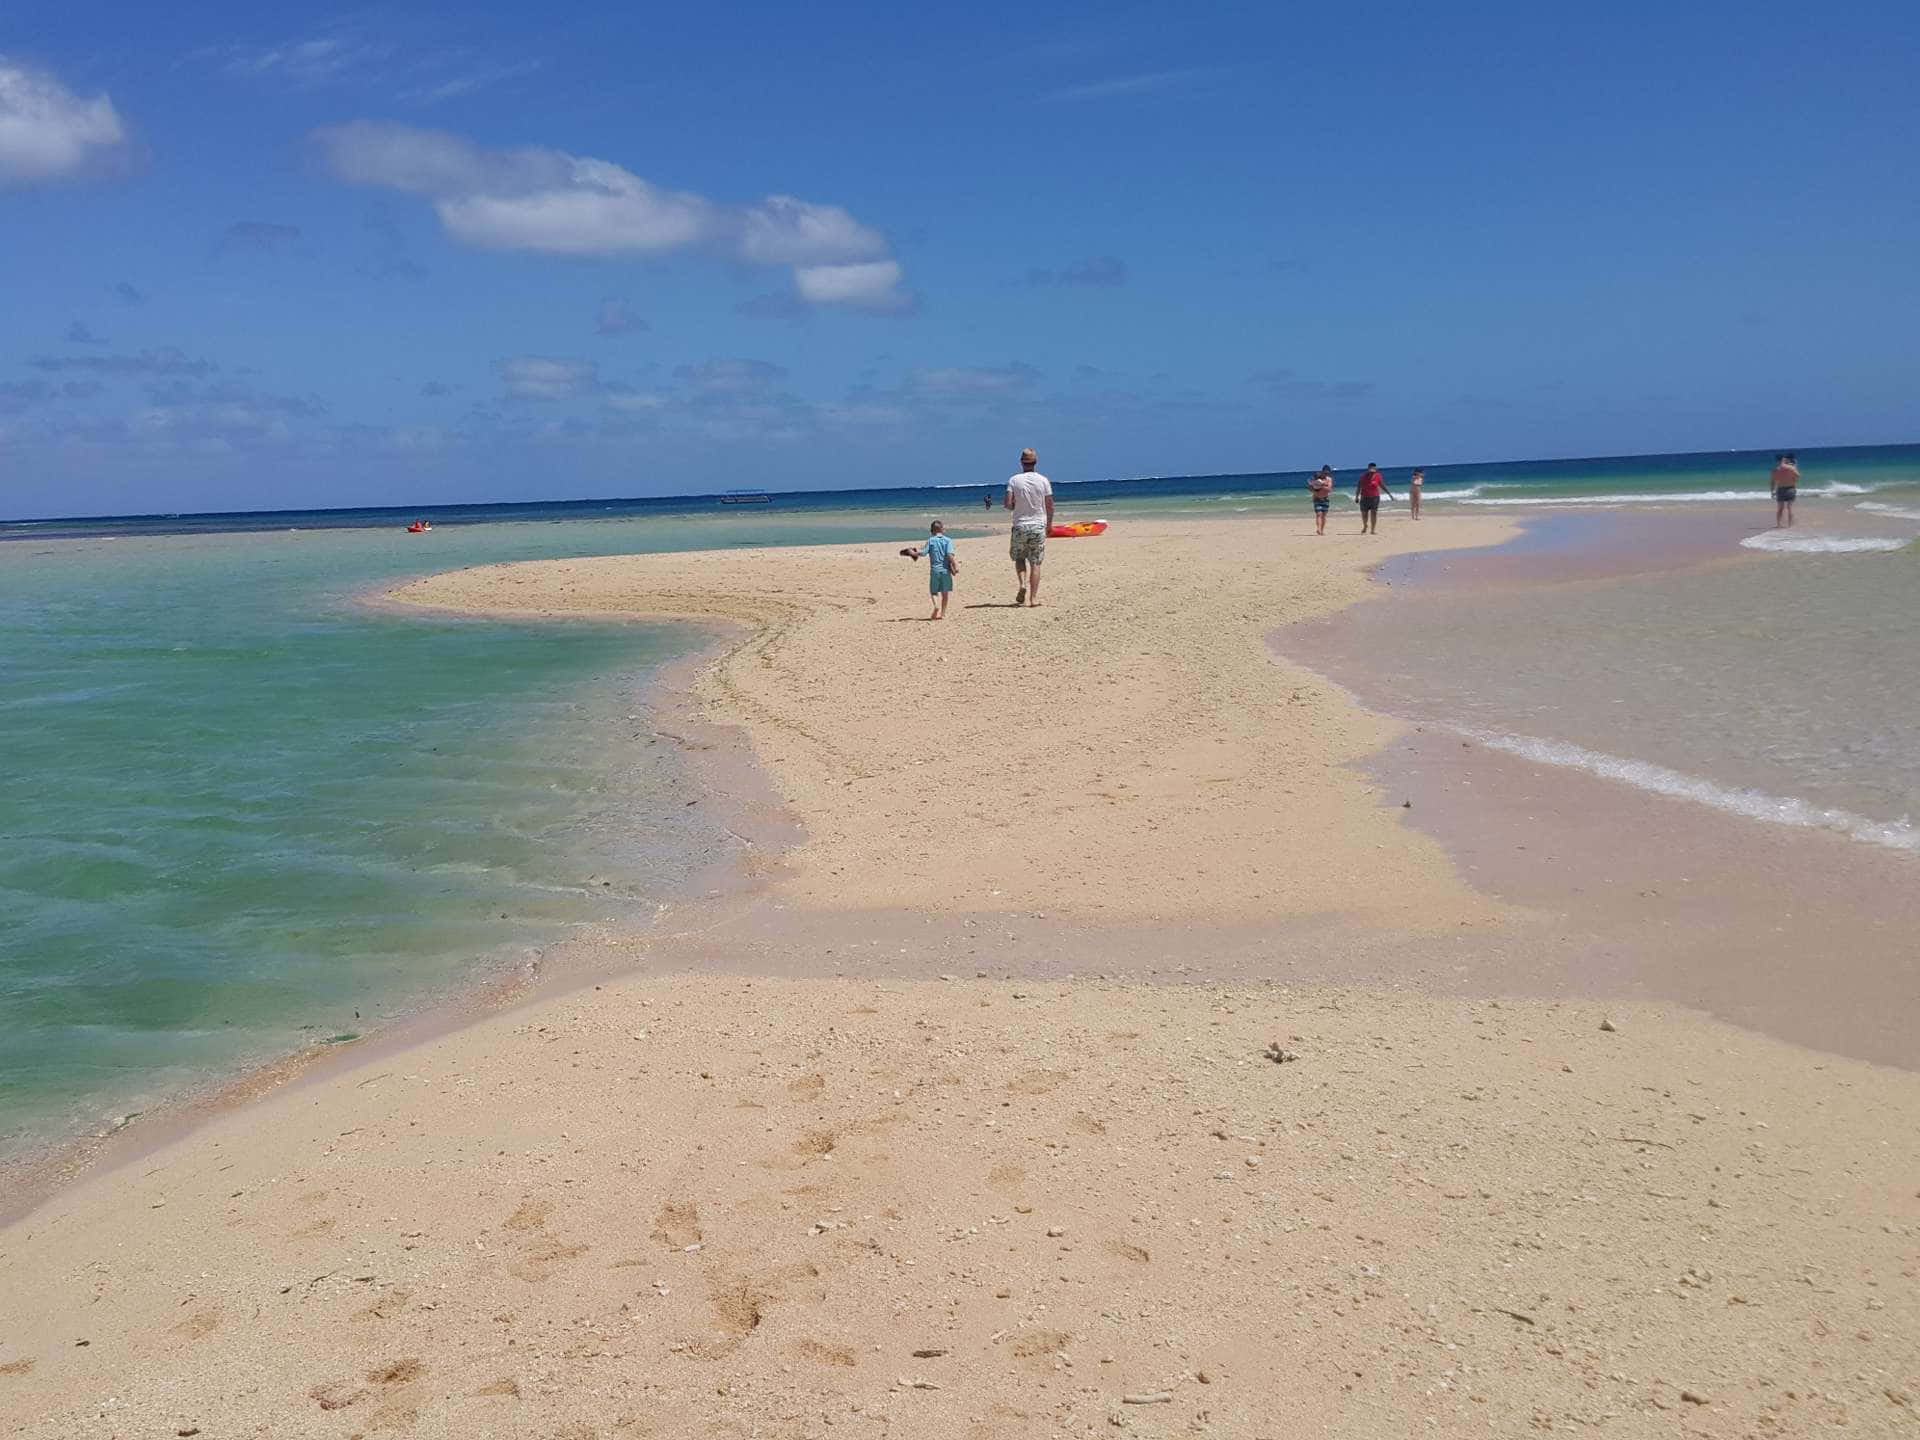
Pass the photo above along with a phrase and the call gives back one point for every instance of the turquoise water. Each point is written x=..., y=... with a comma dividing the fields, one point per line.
x=237, y=806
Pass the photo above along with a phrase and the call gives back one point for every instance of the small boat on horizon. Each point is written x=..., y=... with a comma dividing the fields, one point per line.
x=746, y=497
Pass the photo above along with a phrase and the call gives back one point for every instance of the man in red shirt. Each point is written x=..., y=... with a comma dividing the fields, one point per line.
x=1368, y=492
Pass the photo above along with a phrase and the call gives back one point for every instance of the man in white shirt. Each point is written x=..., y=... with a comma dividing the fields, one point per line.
x=1030, y=497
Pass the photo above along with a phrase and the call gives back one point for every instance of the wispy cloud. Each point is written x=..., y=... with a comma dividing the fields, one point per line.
x=49, y=133
x=390, y=258
x=1134, y=84
x=541, y=377
x=465, y=82
x=79, y=333
x=550, y=202
x=166, y=361
x=411, y=61
x=617, y=317
x=1285, y=383
x=127, y=293
x=1096, y=272
x=257, y=237
x=329, y=57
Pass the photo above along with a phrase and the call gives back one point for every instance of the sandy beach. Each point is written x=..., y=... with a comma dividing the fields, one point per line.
x=1110, y=1053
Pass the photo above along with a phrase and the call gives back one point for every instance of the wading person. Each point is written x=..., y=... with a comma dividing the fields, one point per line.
x=1785, y=486
x=1030, y=497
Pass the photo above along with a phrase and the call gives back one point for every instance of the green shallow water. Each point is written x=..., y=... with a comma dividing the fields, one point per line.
x=236, y=806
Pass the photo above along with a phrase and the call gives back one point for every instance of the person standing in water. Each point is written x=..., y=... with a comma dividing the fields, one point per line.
x=1321, y=486
x=1414, y=482
x=1371, y=487
x=1030, y=497
x=1785, y=486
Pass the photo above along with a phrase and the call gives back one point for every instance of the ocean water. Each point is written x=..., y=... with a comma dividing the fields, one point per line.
x=1764, y=673
x=237, y=806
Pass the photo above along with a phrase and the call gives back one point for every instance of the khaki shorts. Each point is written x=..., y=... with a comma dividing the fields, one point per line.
x=1028, y=547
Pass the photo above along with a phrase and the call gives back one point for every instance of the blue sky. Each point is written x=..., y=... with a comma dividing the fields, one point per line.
x=258, y=257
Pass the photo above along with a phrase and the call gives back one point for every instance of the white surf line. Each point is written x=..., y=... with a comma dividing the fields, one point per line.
x=1897, y=512
x=1781, y=541
x=1752, y=804
x=1665, y=497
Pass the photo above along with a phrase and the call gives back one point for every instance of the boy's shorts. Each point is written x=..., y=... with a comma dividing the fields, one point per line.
x=1369, y=504
x=938, y=582
x=1320, y=507
x=1028, y=546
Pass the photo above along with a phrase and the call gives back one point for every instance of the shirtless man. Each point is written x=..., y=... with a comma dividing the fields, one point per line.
x=1785, y=485
x=1321, y=488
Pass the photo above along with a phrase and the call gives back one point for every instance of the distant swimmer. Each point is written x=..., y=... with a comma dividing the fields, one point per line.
x=1786, y=486
x=1321, y=486
x=987, y=503
x=1371, y=487
x=1414, y=482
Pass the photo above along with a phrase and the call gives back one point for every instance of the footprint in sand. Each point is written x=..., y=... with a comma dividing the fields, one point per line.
x=531, y=1215
x=677, y=1225
x=1036, y=1082
x=338, y=1396
x=397, y=1372
x=540, y=1263
x=1085, y=1124
x=822, y=1353
x=1125, y=1251
x=197, y=1326
x=501, y=1387
x=807, y=1086
x=392, y=1303
x=1006, y=1177
x=17, y=1367
x=1036, y=1348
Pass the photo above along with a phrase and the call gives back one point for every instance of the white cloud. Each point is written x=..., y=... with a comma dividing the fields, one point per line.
x=871, y=285
x=539, y=377
x=781, y=230
x=46, y=131
x=553, y=203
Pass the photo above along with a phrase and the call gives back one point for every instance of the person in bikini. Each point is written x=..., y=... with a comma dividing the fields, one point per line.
x=1414, y=482
x=1786, y=487
x=1321, y=485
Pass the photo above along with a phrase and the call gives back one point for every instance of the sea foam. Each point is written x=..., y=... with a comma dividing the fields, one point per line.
x=1666, y=497
x=1897, y=512
x=1783, y=541
x=1753, y=804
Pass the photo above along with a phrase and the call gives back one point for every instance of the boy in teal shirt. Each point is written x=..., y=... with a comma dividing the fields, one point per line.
x=940, y=567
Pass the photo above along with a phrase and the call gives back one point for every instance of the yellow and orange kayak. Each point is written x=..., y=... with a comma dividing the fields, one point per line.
x=1077, y=528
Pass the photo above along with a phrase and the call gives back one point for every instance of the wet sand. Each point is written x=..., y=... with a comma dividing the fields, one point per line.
x=1172, y=1083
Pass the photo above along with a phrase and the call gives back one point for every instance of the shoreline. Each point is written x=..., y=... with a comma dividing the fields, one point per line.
x=970, y=1164
x=1640, y=873
x=723, y=762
